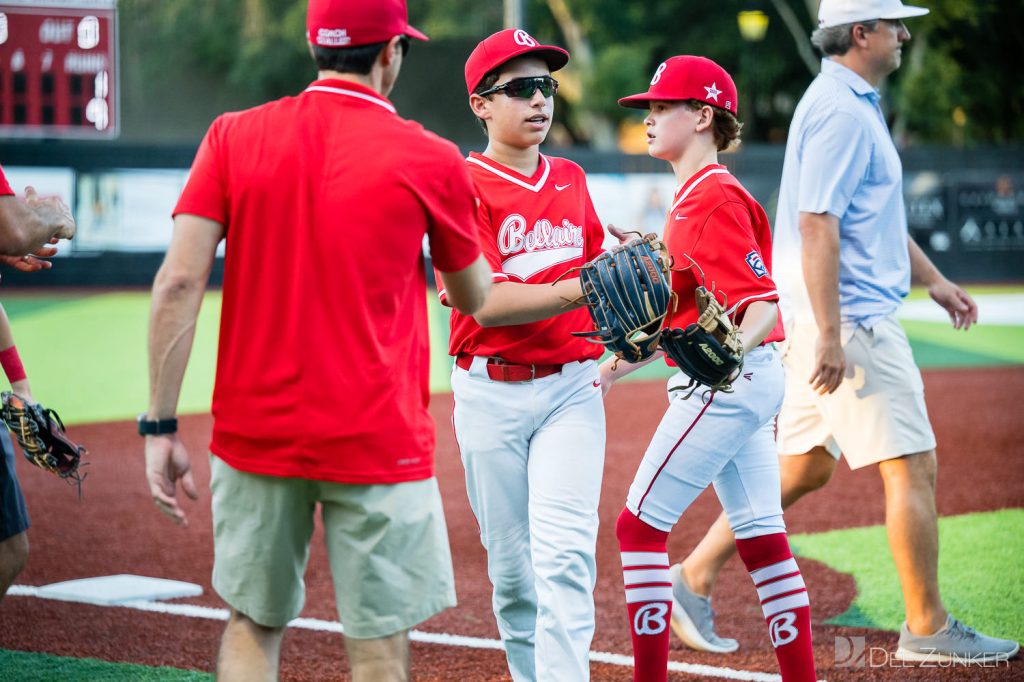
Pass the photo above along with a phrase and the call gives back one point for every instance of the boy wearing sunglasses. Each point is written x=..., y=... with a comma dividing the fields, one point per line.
x=528, y=414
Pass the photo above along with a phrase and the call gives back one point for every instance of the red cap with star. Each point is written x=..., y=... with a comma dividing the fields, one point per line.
x=688, y=77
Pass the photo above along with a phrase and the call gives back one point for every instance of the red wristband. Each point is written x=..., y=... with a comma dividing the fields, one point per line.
x=11, y=362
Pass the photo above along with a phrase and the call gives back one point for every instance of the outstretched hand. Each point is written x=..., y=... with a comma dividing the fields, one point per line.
x=54, y=211
x=622, y=235
x=34, y=261
x=963, y=311
x=166, y=463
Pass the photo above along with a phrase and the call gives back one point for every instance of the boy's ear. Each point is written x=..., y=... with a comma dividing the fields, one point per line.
x=707, y=118
x=480, y=106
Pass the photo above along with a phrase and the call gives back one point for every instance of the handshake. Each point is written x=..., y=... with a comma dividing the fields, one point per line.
x=628, y=293
x=28, y=228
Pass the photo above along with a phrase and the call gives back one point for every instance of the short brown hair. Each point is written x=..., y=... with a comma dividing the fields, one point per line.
x=725, y=126
x=486, y=83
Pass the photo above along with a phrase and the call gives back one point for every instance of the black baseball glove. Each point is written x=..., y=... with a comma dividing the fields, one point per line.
x=627, y=292
x=709, y=350
x=40, y=433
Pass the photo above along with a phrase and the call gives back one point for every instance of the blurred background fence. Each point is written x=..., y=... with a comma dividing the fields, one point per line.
x=965, y=205
x=103, y=102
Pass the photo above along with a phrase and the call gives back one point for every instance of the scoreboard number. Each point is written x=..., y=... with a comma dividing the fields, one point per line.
x=59, y=69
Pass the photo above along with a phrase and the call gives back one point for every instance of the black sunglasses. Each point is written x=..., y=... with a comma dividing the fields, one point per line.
x=403, y=41
x=523, y=88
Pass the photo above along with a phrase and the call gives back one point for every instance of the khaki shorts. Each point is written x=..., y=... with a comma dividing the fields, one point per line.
x=387, y=546
x=878, y=411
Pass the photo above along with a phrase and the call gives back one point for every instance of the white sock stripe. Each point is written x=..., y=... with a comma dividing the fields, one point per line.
x=643, y=594
x=777, y=587
x=793, y=601
x=644, y=559
x=637, y=576
x=774, y=571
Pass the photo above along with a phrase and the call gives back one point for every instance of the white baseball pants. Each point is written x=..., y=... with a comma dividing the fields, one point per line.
x=725, y=439
x=534, y=458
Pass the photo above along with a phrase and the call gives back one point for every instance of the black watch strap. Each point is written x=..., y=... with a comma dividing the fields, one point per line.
x=157, y=427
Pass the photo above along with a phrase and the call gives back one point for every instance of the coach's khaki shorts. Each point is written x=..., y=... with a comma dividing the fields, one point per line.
x=387, y=545
x=878, y=411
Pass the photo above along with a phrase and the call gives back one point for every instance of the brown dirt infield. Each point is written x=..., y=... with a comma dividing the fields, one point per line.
x=116, y=529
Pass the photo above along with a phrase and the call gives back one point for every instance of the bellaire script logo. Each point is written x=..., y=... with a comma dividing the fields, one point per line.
x=514, y=237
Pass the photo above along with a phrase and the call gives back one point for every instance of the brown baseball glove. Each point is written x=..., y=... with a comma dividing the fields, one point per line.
x=627, y=292
x=40, y=433
x=709, y=350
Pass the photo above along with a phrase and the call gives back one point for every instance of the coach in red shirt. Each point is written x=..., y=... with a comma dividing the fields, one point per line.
x=322, y=372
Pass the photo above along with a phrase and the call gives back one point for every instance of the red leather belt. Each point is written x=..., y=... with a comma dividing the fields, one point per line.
x=499, y=370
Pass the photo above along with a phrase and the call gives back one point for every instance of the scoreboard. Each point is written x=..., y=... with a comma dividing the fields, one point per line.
x=58, y=69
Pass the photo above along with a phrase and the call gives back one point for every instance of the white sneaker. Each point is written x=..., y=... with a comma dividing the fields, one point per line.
x=954, y=643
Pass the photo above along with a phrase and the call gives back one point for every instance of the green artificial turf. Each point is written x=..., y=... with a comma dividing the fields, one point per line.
x=86, y=358
x=981, y=576
x=939, y=345
x=33, y=667
x=86, y=354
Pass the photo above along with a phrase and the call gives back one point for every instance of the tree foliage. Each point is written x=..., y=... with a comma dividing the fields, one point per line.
x=957, y=84
x=971, y=57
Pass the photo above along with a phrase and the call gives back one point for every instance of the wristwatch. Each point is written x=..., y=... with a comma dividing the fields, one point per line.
x=157, y=427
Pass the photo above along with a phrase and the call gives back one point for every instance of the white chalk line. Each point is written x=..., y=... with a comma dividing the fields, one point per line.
x=441, y=638
x=993, y=309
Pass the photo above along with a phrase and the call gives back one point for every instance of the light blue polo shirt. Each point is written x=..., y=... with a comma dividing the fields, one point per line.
x=840, y=159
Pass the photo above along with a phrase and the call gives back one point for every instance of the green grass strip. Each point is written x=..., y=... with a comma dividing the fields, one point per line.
x=939, y=345
x=86, y=354
x=21, y=307
x=87, y=358
x=981, y=576
x=34, y=667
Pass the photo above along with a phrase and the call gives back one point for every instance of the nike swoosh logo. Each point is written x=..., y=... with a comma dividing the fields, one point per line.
x=559, y=188
x=680, y=217
x=597, y=384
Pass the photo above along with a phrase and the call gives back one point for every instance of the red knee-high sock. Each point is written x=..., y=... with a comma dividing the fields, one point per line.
x=784, y=601
x=648, y=595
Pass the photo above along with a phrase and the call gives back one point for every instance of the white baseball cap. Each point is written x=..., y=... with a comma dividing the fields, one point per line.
x=839, y=12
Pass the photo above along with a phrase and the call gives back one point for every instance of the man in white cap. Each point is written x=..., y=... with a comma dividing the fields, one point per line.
x=843, y=263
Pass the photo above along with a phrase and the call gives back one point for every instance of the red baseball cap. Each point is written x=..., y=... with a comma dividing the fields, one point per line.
x=688, y=77
x=505, y=45
x=350, y=23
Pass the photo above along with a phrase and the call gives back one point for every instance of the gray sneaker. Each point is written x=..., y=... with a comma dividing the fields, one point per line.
x=693, y=620
x=955, y=643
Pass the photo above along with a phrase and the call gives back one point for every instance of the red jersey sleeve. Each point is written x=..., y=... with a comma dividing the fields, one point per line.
x=728, y=252
x=451, y=215
x=206, y=191
x=487, y=240
x=5, y=187
x=487, y=246
x=594, y=228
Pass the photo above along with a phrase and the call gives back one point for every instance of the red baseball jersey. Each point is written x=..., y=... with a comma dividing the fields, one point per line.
x=5, y=187
x=716, y=224
x=323, y=360
x=532, y=230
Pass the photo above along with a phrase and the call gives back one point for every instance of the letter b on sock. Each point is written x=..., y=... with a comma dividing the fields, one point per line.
x=782, y=629
x=650, y=619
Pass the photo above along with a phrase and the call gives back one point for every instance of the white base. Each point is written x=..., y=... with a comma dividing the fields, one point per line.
x=118, y=589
